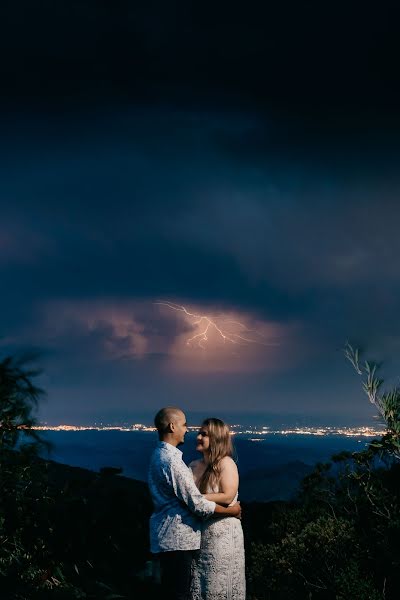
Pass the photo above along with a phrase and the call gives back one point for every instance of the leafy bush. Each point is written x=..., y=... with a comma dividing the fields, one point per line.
x=339, y=540
x=64, y=532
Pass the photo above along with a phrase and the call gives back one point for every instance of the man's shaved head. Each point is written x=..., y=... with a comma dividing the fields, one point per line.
x=165, y=416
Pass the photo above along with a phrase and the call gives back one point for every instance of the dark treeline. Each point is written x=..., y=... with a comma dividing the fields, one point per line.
x=71, y=533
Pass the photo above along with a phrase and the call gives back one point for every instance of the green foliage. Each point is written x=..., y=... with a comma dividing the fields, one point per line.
x=320, y=560
x=70, y=533
x=65, y=533
x=19, y=397
x=27, y=568
x=339, y=540
x=387, y=403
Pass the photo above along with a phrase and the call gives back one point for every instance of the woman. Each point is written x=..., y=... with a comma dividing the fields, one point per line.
x=219, y=570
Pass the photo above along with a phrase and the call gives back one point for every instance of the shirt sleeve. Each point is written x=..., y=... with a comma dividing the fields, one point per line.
x=185, y=490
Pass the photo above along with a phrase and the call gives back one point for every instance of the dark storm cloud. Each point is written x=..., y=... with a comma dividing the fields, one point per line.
x=289, y=56
x=160, y=209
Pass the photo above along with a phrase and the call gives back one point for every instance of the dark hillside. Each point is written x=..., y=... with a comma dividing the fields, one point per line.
x=69, y=532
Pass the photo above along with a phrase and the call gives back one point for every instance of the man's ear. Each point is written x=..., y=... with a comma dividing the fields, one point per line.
x=171, y=427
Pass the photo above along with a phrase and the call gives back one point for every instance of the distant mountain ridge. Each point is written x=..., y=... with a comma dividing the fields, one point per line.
x=258, y=485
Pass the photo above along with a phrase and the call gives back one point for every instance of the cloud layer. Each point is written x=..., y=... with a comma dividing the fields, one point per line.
x=296, y=241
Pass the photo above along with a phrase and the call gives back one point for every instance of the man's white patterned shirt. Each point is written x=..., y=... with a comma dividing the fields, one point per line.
x=179, y=507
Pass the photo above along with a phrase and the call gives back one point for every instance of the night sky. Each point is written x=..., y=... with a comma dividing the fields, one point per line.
x=237, y=160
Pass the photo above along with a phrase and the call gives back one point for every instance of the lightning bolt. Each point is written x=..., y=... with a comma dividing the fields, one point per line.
x=209, y=323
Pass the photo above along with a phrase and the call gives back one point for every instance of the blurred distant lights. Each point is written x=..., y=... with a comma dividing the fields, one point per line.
x=260, y=432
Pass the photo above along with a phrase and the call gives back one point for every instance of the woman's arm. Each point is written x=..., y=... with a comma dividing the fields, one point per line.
x=228, y=483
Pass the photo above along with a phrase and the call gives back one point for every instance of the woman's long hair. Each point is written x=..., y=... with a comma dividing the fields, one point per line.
x=220, y=446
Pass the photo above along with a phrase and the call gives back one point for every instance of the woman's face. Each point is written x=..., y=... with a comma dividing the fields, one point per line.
x=202, y=440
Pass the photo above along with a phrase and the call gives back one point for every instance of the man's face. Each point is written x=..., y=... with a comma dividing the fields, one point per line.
x=180, y=428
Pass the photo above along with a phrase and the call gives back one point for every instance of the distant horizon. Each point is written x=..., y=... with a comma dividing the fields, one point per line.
x=239, y=419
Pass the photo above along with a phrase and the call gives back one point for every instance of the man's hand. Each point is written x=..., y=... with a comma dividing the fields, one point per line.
x=229, y=511
x=237, y=510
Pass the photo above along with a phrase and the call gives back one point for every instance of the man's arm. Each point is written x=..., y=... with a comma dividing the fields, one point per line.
x=180, y=477
x=185, y=490
x=228, y=511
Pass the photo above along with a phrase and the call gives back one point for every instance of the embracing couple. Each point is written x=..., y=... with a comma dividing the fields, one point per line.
x=195, y=528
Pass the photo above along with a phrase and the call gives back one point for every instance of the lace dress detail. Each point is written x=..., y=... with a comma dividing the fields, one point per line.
x=219, y=570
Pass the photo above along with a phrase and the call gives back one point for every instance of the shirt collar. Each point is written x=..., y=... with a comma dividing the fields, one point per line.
x=170, y=448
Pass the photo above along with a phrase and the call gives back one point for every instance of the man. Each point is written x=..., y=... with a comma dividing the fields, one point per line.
x=175, y=525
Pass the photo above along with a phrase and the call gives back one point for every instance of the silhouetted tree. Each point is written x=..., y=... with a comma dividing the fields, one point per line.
x=19, y=398
x=387, y=402
x=339, y=540
x=65, y=533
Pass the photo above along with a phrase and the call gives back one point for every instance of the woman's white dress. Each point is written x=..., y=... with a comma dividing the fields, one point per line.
x=219, y=570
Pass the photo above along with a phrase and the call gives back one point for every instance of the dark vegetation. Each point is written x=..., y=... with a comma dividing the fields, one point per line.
x=71, y=533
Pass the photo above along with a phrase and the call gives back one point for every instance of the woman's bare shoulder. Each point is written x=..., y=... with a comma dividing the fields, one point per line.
x=228, y=463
